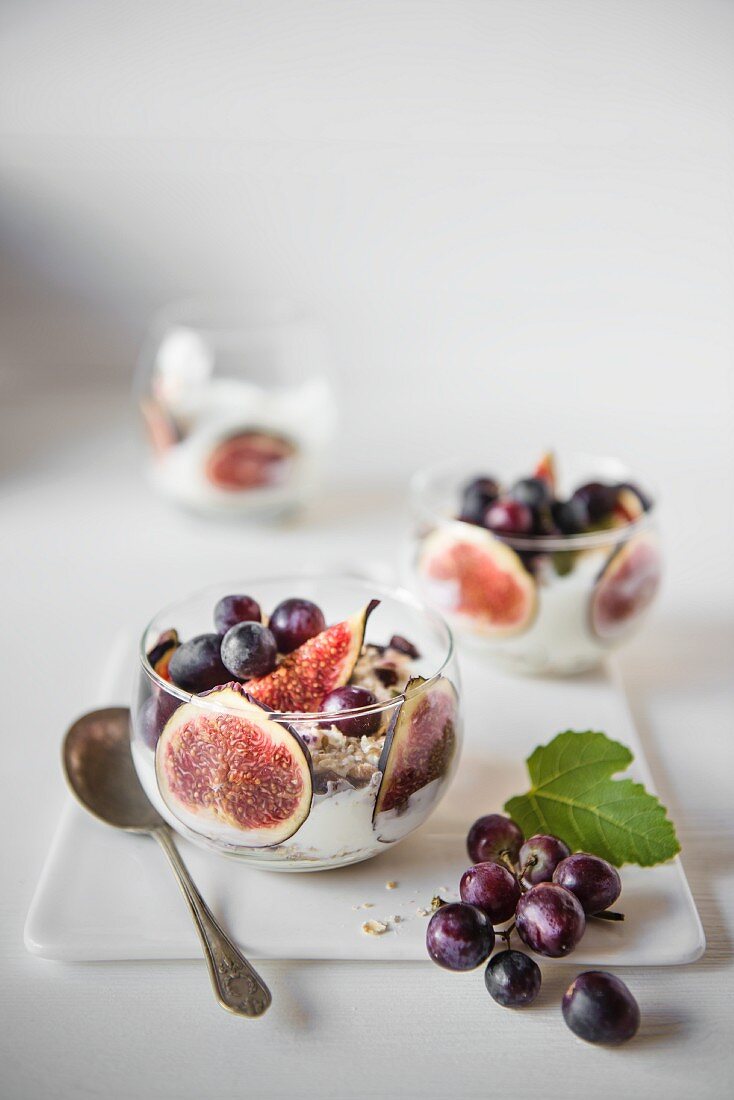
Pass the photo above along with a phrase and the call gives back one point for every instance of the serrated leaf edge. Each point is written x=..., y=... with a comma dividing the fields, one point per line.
x=637, y=787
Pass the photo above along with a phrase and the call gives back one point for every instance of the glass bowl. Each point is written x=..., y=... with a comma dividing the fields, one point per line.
x=237, y=406
x=350, y=791
x=539, y=605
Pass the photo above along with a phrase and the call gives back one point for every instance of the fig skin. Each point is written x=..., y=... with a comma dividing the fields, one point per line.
x=403, y=774
x=625, y=588
x=159, y=657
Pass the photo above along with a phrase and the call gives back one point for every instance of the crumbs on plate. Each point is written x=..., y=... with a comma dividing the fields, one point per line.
x=374, y=927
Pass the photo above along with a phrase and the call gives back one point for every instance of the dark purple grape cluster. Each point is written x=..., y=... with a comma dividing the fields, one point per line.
x=243, y=647
x=549, y=892
x=530, y=507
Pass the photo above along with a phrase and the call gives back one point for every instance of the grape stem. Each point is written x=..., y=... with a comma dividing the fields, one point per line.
x=529, y=862
x=607, y=914
x=506, y=861
x=506, y=933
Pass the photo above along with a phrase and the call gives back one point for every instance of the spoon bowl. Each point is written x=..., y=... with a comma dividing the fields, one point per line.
x=99, y=769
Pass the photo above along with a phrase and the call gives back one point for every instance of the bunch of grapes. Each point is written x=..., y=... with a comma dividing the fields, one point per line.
x=550, y=893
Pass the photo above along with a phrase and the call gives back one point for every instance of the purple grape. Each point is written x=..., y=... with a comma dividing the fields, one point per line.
x=570, y=516
x=512, y=979
x=295, y=621
x=492, y=888
x=249, y=649
x=491, y=836
x=153, y=715
x=539, y=857
x=533, y=491
x=476, y=498
x=459, y=936
x=403, y=646
x=595, y=882
x=509, y=517
x=550, y=920
x=599, y=1008
x=597, y=498
x=197, y=666
x=236, y=609
x=351, y=698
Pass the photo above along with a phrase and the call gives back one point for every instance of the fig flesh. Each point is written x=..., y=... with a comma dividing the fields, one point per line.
x=306, y=676
x=225, y=768
x=159, y=657
x=626, y=587
x=420, y=748
x=479, y=579
x=249, y=460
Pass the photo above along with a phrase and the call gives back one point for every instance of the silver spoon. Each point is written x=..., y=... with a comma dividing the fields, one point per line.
x=99, y=769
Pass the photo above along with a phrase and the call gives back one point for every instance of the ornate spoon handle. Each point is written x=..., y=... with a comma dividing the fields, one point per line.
x=238, y=987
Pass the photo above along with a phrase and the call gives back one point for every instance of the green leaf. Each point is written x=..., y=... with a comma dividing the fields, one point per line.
x=574, y=797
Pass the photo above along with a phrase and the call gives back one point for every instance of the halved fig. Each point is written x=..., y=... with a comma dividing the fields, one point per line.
x=234, y=772
x=626, y=586
x=159, y=657
x=474, y=576
x=309, y=673
x=546, y=470
x=419, y=749
x=249, y=460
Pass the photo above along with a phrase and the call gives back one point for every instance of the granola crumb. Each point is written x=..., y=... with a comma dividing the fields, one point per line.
x=374, y=927
x=396, y=919
x=437, y=902
x=391, y=885
x=422, y=912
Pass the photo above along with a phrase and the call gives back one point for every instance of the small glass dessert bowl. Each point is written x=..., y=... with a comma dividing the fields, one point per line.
x=237, y=405
x=298, y=732
x=544, y=578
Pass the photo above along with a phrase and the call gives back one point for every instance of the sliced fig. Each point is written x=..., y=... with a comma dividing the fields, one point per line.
x=419, y=749
x=626, y=587
x=159, y=657
x=163, y=432
x=234, y=772
x=309, y=673
x=249, y=460
x=474, y=576
x=628, y=507
x=546, y=471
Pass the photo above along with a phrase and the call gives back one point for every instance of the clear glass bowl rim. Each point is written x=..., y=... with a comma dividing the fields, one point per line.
x=378, y=589
x=422, y=479
x=230, y=314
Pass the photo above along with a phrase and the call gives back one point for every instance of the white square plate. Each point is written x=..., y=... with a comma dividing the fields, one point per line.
x=105, y=895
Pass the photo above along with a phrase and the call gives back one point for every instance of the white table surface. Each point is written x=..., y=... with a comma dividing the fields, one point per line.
x=86, y=546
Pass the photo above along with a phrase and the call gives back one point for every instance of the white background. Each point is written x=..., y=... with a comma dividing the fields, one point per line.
x=515, y=223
